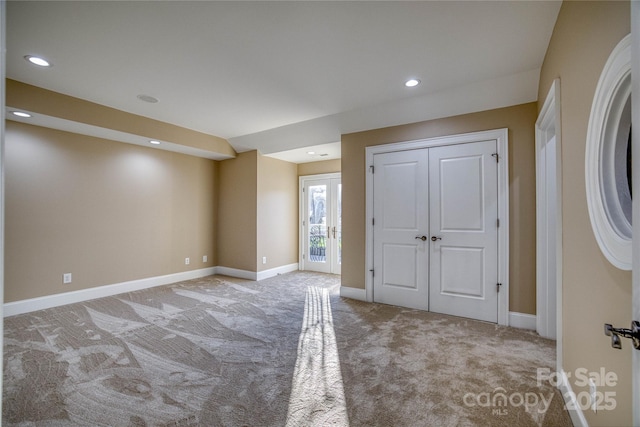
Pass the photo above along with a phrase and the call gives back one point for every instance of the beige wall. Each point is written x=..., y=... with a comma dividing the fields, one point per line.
x=520, y=120
x=110, y=212
x=277, y=213
x=257, y=212
x=105, y=211
x=594, y=292
x=316, y=168
x=237, y=212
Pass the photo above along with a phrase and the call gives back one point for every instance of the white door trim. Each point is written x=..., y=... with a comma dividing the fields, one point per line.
x=301, y=209
x=547, y=127
x=3, y=72
x=635, y=128
x=501, y=137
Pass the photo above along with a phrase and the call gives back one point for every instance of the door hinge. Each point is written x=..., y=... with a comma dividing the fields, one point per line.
x=303, y=256
x=498, y=287
x=497, y=157
x=498, y=223
x=373, y=273
x=371, y=168
x=373, y=221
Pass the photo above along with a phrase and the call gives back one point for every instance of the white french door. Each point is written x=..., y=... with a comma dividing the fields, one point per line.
x=435, y=236
x=321, y=223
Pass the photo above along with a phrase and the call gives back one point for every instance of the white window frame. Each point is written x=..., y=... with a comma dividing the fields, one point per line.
x=612, y=230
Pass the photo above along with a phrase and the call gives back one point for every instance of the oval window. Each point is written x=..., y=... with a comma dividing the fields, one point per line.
x=608, y=158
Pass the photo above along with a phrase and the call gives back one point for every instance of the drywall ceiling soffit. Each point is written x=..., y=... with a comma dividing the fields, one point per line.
x=311, y=153
x=275, y=76
x=57, y=123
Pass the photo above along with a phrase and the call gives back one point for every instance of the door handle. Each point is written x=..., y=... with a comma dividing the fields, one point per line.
x=423, y=238
x=334, y=232
x=434, y=238
x=616, y=333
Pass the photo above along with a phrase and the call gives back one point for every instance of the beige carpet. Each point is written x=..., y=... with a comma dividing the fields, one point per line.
x=284, y=351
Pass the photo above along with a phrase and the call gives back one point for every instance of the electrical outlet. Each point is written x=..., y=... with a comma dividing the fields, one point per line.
x=204, y=258
x=66, y=278
x=187, y=261
x=264, y=259
x=594, y=395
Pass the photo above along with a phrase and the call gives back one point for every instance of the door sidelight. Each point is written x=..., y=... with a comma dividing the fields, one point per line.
x=616, y=333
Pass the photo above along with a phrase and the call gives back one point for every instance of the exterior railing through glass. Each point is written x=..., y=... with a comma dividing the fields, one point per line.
x=318, y=243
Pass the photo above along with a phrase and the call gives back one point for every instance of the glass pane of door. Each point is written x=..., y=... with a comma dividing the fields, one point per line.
x=336, y=215
x=317, y=223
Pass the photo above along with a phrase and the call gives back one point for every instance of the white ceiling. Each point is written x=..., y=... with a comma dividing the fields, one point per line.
x=278, y=76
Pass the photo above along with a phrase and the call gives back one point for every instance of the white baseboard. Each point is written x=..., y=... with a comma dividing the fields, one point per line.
x=259, y=275
x=49, y=301
x=573, y=407
x=353, y=293
x=235, y=272
x=41, y=303
x=275, y=271
x=522, y=320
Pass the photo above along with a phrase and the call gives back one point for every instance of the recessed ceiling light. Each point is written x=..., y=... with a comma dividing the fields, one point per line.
x=36, y=60
x=412, y=83
x=154, y=142
x=147, y=98
x=311, y=153
x=21, y=114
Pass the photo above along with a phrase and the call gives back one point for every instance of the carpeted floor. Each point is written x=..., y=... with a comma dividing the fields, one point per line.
x=288, y=351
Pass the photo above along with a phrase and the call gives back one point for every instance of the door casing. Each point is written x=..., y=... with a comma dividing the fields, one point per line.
x=635, y=129
x=501, y=138
x=548, y=278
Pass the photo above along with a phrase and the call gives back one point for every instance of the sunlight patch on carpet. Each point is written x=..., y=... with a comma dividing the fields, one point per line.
x=317, y=392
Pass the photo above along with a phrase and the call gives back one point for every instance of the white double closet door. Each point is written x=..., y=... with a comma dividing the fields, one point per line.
x=435, y=229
